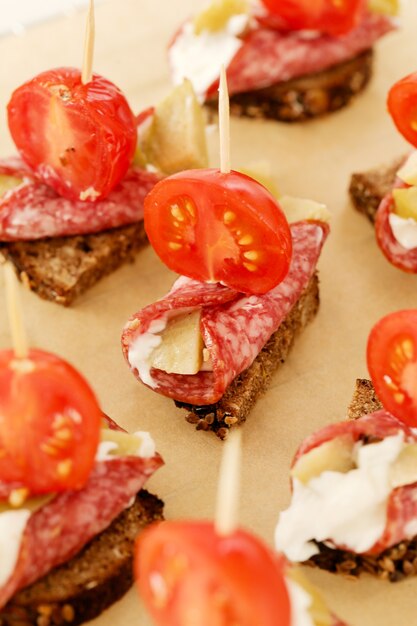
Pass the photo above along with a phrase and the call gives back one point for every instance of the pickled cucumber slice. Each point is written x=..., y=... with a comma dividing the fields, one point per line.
x=8, y=182
x=408, y=172
x=318, y=609
x=298, y=209
x=405, y=201
x=176, y=139
x=181, y=349
x=31, y=504
x=218, y=13
x=333, y=456
x=126, y=444
x=261, y=171
x=387, y=7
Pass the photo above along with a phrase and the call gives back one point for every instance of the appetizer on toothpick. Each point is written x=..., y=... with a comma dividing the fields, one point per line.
x=248, y=287
x=287, y=60
x=60, y=457
x=354, y=484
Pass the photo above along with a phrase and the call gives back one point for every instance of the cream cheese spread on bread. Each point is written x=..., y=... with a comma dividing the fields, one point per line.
x=404, y=230
x=12, y=527
x=346, y=508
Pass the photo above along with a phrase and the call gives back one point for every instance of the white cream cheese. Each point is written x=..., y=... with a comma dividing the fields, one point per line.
x=349, y=508
x=300, y=602
x=201, y=57
x=142, y=348
x=404, y=230
x=12, y=527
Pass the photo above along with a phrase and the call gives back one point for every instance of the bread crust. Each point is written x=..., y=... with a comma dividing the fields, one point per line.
x=305, y=97
x=241, y=395
x=61, y=268
x=95, y=578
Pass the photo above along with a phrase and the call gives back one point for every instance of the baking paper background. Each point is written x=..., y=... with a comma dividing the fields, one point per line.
x=357, y=286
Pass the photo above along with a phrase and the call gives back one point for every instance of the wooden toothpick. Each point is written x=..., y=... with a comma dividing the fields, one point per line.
x=224, y=123
x=14, y=310
x=87, y=71
x=229, y=484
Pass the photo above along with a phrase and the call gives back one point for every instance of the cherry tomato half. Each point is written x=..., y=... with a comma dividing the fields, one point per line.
x=392, y=364
x=327, y=16
x=187, y=574
x=402, y=105
x=49, y=423
x=216, y=227
x=80, y=139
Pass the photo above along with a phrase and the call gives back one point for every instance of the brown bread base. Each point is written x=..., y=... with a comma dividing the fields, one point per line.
x=305, y=97
x=392, y=564
x=367, y=189
x=244, y=391
x=61, y=268
x=91, y=581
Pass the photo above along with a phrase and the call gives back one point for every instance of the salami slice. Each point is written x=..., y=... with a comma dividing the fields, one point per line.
x=269, y=56
x=62, y=527
x=234, y=327
x=396, y=254
x=401, y=511
x=34, y=211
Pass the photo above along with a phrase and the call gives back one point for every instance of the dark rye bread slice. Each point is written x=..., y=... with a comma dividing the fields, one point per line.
x=367, y=189
x=61, y=268
x=91, y=581
x=241, y=395
x=307, y=96
x=393, y=564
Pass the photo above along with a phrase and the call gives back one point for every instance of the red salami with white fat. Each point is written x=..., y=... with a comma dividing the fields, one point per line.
x=396, y=254
x=235, y=327
x=269, y=56
x=59, y=530
x=402, y=503
x=34, y=211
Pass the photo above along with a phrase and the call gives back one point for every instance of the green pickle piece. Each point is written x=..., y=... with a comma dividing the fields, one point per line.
x=386, y=7
x=176, y=140
x=217, y=14
x=8, y=182
x=127, y=444
x=31, y=504
x=406, y=202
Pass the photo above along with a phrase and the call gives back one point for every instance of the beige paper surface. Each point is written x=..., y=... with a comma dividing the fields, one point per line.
x=357, y=286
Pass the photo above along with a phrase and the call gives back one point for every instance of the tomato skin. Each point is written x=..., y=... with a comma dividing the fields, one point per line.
x=326, y=16
x=49, y=423
x=185, y=569
x=216, y=227
x=75, y=137
x=402, y=105
x=392, y=363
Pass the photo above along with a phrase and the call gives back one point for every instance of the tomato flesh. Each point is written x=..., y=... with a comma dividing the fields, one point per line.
x=216, y=227
x=187, y=574
x=49, y=423
x=333, y=17
x=392, y=364
x=402, y=105
x=79, y=139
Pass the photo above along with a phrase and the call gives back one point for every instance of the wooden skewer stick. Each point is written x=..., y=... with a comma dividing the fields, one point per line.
x=224, y=123
x=87, y=71
x=229, y=484
x=14, y=310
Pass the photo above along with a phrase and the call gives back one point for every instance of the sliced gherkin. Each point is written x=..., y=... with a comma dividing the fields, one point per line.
x=218, y=13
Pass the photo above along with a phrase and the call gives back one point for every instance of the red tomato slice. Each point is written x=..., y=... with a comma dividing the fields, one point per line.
x=216, y=227
x=392, y=364
x=80, y=139
x=49, y=425
x=402, y=105
x=187, y=574
x=334, y=17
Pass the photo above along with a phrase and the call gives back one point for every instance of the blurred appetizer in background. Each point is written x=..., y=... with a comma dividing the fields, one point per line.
x=71, y=498
x=354, y=484
x=205, y=573
x=388, y=195
x=72, y=204
x=288, y=60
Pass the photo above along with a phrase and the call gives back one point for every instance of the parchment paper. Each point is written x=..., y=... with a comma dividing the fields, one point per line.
x=358, y=286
